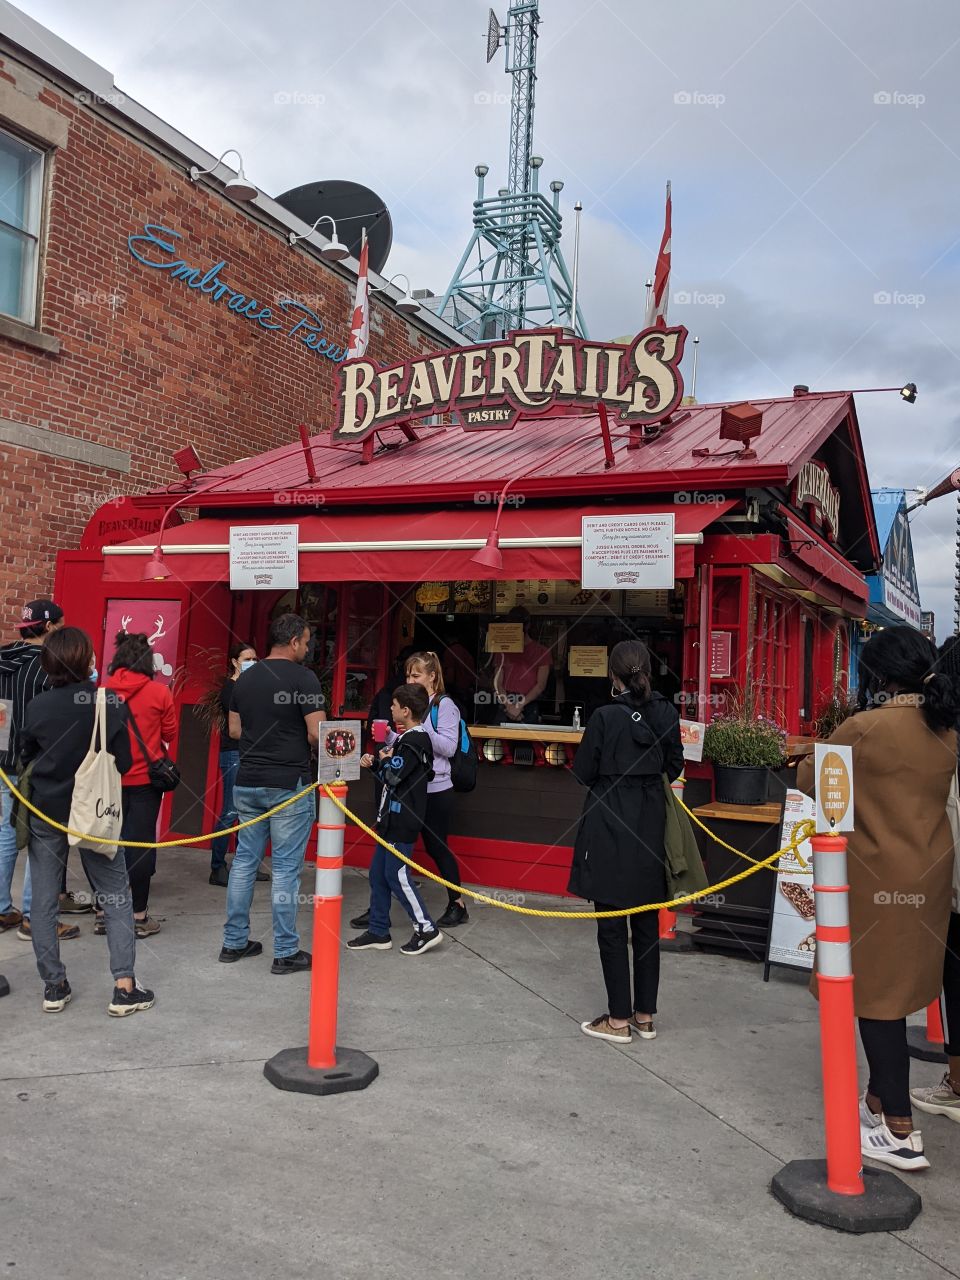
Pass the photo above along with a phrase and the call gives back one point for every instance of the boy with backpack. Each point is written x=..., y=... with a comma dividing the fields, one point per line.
x=404, y=768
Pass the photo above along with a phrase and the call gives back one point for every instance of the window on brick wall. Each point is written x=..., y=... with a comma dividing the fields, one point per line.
x=21, y=207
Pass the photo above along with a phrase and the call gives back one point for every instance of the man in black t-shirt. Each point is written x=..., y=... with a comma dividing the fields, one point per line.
x=276, y=715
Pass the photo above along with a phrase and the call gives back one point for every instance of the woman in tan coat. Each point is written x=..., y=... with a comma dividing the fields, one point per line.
x=900, y=868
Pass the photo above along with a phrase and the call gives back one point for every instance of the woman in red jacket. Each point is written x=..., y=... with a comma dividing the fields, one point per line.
x=150, y=708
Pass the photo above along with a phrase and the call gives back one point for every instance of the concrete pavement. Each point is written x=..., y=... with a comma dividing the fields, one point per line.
x=498, y=1141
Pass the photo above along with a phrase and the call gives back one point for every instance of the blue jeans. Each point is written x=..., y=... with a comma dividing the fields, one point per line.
x=288, y=832
x=229, y=765
x=8, y=854
x=389, y=877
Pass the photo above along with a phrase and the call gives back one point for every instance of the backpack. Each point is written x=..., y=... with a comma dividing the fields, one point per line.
x=463, y=762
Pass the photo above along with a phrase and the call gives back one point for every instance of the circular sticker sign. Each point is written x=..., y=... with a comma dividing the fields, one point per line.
x=834, y=789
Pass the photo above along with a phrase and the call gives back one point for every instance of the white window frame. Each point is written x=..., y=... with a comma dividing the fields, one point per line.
x=30, y=287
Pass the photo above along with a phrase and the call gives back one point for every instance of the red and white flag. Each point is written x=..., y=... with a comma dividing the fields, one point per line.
x=360, y=324
x=659, y=294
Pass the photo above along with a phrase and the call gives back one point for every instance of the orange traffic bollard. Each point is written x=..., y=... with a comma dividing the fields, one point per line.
x=838, y=1192
x=926, y=1043
x=323, y=1066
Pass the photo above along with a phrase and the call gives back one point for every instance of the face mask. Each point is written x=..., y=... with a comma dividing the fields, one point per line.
x=94, y=675
x=247, y=663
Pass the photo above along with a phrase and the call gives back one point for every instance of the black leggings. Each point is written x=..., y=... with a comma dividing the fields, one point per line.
x=885, y=1044
x=436, y=828
x=141, y=808
x=615, y=961
x=950, y=1000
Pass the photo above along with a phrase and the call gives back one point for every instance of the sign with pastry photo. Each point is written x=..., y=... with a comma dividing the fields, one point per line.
x=339, y=751
x=792, y=939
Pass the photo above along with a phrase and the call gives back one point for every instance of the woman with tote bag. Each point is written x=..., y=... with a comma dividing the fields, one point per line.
x=75, y=735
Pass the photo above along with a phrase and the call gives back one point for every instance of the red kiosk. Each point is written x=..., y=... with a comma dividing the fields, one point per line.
x=454, y=487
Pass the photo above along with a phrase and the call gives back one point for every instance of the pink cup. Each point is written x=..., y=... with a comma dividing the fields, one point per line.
x=379, y=728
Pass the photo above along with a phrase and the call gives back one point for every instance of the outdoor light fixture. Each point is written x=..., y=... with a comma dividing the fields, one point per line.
x=155, y=570
x=187, y=460
x=408, y=305
x=333, y=250
x=909, y=392
x=481, y=170
x=237, y=188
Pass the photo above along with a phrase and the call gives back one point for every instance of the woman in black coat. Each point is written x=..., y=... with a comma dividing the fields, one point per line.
x=619, y=856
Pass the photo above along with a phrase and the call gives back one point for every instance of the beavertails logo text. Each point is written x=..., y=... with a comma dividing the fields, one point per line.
x=488, y=386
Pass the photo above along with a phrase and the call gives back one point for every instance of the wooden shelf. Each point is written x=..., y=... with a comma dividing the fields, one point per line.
x=526, y=733
x=766, y=813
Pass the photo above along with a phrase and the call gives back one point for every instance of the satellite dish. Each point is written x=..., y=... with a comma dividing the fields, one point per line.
x=494, y=34
x=352, y=207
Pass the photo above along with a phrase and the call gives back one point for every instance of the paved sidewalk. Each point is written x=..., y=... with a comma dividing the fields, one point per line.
x=498, y=1141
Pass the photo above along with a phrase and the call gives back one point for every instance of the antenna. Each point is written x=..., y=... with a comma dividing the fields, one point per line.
x=516, y=275
x=495, y=35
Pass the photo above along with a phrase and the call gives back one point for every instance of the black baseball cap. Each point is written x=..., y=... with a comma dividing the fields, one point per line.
x=38, y=611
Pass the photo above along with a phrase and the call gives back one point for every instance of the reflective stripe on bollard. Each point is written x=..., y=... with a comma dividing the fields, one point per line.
x=327, y=903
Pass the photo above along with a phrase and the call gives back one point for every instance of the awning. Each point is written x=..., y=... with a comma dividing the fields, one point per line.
x=404, y=545
x=830, y=575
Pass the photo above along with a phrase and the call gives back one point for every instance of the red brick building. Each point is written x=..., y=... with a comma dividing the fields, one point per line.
x=109, y=365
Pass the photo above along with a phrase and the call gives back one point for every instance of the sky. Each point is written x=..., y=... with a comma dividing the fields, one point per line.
x=812, y=149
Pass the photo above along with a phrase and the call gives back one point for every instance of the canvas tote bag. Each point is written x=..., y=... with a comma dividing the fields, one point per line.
x=97, y=805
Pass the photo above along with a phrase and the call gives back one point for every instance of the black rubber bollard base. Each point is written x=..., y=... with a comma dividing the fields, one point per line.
x=887, y=1204
x=922, y=1048
x=288, y=1070
x=682, y=942
x=4, y=986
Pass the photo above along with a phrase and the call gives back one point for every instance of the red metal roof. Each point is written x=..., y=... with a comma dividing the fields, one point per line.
x=449, y=464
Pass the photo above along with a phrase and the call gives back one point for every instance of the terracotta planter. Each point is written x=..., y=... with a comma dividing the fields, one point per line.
x=740, y=784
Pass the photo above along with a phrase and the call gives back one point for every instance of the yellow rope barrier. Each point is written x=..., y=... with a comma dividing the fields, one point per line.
x=801, y=832
x=152, y=844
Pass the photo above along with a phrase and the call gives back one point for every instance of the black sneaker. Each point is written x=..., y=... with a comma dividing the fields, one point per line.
x=219, y=876
x=230, y=955
x=299, y=962
x=126, y=1002
x=263, y=876
x=422, y=940
x=370, y=942
x=361, y=921
x=56, y=996
x=456, y=913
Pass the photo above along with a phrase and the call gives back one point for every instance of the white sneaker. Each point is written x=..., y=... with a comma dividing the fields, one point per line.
x=868, y=1119
x=902, y=1153
x=940, y=1100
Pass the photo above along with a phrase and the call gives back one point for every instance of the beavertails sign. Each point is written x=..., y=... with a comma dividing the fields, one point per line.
x=487, y=387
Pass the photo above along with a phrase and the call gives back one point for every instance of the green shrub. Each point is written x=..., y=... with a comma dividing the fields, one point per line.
x=745, y=740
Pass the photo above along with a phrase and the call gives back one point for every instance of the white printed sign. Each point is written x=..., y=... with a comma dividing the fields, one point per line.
x=263, y=557
x=691, y=735
x=628, y=552
x=792, y=925
x=833, y=770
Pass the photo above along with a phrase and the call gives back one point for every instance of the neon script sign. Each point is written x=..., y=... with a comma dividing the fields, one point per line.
x=156, y=248
x=488, y=386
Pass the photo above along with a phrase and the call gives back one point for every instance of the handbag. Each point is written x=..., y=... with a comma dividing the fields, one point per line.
x=96, y=808
x=20, y=815
x=164, y=773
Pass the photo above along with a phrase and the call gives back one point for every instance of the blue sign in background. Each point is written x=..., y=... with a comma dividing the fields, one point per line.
x=296, y=320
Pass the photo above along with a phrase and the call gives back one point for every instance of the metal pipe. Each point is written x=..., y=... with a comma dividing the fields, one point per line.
x=577, y=209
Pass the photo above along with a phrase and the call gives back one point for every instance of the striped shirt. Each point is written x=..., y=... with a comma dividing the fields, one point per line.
x=21, y=679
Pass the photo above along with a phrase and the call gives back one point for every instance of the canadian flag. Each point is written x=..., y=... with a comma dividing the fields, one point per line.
x=360, y=324
x=657, y=300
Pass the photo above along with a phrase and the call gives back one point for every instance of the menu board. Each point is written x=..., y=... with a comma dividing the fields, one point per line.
x=721, y=653
x=557, y=596
x=587, y=660
x=462, y=596
x=792, y=940
x=646, y=602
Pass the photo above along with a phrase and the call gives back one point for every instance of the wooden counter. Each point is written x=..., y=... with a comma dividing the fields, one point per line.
x=740, y=812
x=526, y=733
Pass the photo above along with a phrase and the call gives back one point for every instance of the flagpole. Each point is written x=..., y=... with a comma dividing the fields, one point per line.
x=577, y=209
x=693, y=383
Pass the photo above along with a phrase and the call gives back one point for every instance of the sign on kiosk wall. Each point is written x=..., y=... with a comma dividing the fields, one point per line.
x=159, y=620
x=505, y=637
x=792, y=939
x=587, y=660
x=264, y=557
x=628, y=551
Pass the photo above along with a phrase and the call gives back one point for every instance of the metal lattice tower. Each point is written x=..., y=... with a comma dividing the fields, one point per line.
x=512, y=274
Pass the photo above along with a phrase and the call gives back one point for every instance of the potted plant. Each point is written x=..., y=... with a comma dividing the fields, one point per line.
x=743, y=748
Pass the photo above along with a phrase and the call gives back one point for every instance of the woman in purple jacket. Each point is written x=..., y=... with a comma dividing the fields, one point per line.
x=424, y=669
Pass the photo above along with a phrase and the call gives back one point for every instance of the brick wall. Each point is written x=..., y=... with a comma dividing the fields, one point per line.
x=146, y=364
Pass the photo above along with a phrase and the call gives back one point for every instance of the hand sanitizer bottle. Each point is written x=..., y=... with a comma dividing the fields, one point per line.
x=576, y=717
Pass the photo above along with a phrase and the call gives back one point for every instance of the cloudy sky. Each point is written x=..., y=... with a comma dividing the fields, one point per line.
x=812, y=147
